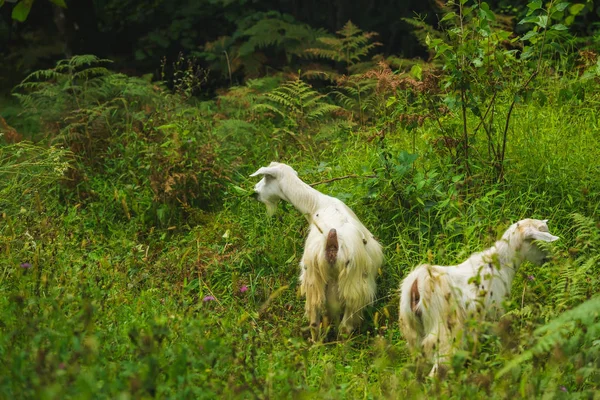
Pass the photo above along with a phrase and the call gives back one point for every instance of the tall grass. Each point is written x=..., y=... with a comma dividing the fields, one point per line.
x=116, y=282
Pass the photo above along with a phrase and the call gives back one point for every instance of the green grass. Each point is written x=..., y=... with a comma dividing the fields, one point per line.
x=105, y=279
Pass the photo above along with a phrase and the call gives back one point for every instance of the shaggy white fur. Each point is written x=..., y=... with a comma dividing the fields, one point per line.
x=341, y=257
x=435, y=301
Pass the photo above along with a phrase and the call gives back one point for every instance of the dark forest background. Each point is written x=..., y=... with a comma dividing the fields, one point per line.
x=256, y=35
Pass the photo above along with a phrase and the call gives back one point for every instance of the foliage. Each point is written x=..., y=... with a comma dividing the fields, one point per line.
x=250, y=49
x=297, y=103
x=185, y=76
x=480, y=59
x=134, y=262
x=20, y=11
x=28, y=172
x=349, y=48
x=110, y=121
x=573, y=331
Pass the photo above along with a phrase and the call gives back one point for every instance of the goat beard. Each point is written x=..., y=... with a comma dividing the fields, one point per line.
x=271, y=208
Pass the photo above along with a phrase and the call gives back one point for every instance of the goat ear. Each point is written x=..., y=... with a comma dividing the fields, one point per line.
x=269, y=171
x=538, y=235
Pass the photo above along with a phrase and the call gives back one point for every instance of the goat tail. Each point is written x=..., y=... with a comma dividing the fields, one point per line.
x=411, y=322
x=424, y=304
x=332, y=247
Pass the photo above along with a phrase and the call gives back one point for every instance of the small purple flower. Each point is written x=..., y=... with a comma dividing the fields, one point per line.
x=25, y=265
x=244, y=289
x=564, y=389
x=61, y=366
x=208, y=298
x=531, y=278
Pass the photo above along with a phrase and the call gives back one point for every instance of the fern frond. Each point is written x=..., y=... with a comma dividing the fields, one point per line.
x=90, y=73
x=578, y=279
x=320, y=111
x=78, y=62
x=588, y=233
x=562, y=329
x=423, y=30
x=297, y=102
x=350, y=46
x=278, y=31
x=268, y=107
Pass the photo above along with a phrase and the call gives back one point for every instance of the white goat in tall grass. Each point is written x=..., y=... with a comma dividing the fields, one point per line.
x=341, y=257
x=435, y=301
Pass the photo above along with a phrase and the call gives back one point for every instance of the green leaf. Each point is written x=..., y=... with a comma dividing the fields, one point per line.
x=60, y=3
x=542, y=21
x=529, y=35
x=448, y=16
x=239, y=190
x=526, y=20
x=559, y=27
x=518, y=99
x=1, y=3
x=576, y=8
x=457, y=178
x=21, y=10
x=528, y=52
x=534, y=5
x=407, y=159
x=467, y=11
x=167, y=126
x=417, y=71
x=570, y=19
x=561, y=6
x=485, y=13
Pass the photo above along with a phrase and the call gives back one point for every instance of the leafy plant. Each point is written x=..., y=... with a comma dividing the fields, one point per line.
x=110, y=120
x=27, y=171
x=480, y=65
x=258, y=37
x=349, y=48
x=298, y=104
x=134, y=263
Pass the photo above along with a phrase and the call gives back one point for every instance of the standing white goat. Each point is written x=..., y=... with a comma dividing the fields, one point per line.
x=341, y=257
x=435, y=301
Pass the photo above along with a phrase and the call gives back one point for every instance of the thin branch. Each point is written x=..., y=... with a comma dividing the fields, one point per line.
x=228, y=67
x=512, y=104
x=505, y=133
x=465, y=130
x=486, y=112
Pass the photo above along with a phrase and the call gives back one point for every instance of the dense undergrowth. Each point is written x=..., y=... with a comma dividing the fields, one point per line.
x=134, y=263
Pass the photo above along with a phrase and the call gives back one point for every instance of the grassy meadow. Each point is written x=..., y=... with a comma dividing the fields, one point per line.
x=134, y=263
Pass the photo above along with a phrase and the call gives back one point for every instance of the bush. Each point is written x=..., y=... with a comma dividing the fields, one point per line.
x=113, y=123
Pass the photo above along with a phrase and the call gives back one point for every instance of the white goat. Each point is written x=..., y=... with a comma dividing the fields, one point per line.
x=341, y=257
x=435, y=301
